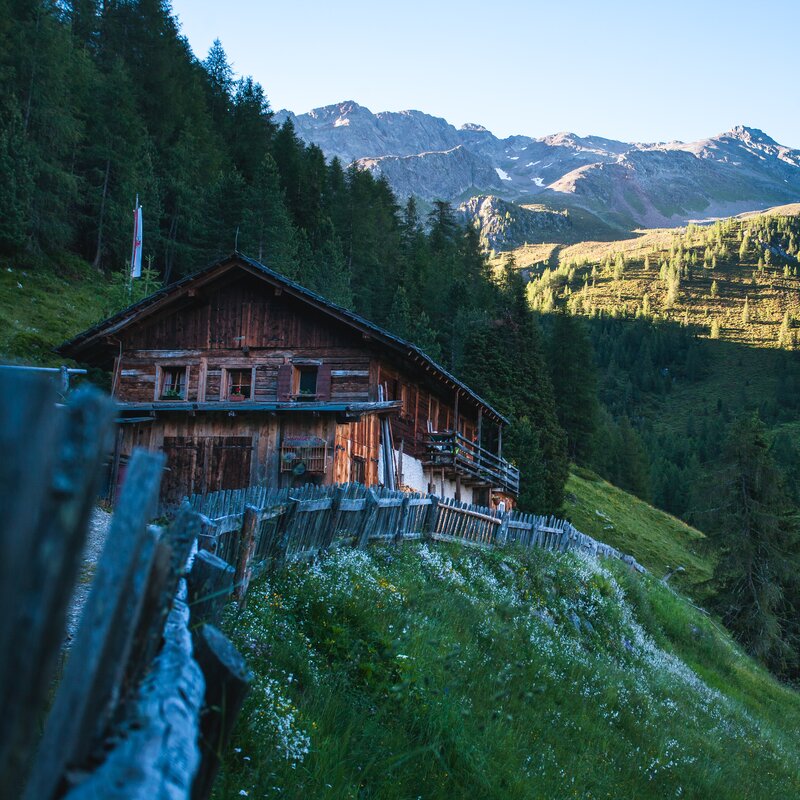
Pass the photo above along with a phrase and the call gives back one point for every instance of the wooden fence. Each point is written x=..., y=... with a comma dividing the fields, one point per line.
x=259, y=527
x=151, y=689
x=137, y=712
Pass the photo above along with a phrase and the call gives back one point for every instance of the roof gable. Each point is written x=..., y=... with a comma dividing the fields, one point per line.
x=82, y=346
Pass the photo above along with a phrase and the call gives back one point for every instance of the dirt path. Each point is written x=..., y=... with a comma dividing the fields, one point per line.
x=98, y=530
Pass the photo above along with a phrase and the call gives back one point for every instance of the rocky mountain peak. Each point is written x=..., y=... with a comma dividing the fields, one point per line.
x=750, y=135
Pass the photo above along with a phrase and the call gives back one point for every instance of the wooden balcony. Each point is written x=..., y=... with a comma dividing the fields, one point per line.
x=458, y=456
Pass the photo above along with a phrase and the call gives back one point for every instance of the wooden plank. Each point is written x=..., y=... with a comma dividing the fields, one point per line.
x=247, y=546
x=323, y=504
x=370, y=518
x=157, y=754
x=402, y=521
x=390, y=502
x=227, y=681
x=358, y=504
x=501, y=537
x=49, y=476
x=336, y=516
x=471, y=512
x=431, y=517
x=419, y=501
x=89, y=689
x=210, y=584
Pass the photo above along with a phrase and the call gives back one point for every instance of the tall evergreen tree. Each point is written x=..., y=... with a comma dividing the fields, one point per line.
x=574, y=384
x=756, y=533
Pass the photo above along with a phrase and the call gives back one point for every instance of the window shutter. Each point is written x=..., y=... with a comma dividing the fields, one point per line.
x=324, y=382
x=284, y=383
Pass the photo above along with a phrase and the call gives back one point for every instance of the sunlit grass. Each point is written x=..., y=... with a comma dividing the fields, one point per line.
x=440, y=672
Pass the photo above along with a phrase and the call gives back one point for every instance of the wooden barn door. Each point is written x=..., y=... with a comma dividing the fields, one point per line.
x=203, y=464
x=183, y=475
x=229, y=459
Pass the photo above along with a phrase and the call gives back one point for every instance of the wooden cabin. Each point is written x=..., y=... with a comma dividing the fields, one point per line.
x=242, y=376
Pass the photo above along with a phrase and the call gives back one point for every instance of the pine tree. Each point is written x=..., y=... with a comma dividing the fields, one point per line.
x=267, y=233
x=785, y=332
x=755, y=579
x=574, y=384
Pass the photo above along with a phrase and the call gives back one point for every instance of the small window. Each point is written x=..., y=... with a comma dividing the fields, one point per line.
x=173, y=383
x=306, y=381
x=358, y=470
x=239, y=384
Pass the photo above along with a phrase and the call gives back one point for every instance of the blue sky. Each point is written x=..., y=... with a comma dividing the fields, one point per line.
x=636, y=71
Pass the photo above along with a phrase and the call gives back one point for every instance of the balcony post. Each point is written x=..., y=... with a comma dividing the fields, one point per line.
x=500, y=440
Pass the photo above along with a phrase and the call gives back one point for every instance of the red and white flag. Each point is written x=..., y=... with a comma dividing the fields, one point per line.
x=136, y=251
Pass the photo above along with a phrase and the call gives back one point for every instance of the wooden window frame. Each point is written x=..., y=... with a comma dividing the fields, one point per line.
x=297, y=369
x=223, y=383
x=358, y=464
x=161, y=372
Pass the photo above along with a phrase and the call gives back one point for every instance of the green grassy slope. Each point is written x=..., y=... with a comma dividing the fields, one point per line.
x=717, y=276
x=43, y=306
x=444, y=672
x=656, y=539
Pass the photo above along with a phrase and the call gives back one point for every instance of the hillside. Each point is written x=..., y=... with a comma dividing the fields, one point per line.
x=626, y=185
x=656, y=539
x=439, y=672
x=41, y=307
x=698, y=275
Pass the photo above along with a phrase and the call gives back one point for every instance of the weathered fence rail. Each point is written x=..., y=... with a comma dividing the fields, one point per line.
x=292, y=524
x=136, y=713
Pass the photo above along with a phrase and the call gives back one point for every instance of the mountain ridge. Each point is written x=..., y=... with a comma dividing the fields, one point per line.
x=626, y=184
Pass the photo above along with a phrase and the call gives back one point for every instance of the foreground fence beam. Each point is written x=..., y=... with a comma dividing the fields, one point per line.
x=90, y=688
x=227, y=681
x=49, y=477
x=247, y=547
x=158, y=755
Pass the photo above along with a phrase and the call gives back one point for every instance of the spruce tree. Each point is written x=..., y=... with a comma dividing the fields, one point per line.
x=756, y=535
x=574, y=384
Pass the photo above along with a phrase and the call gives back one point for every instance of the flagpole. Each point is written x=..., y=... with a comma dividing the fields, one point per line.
x=133, y=247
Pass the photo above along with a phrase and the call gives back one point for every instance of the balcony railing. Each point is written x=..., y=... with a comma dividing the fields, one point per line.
x=457, y=454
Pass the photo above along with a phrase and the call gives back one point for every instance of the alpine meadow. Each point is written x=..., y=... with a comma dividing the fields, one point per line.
x=483, y=452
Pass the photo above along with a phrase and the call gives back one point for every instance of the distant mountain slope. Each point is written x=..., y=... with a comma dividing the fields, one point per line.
x=736, y=279
x=626, y=185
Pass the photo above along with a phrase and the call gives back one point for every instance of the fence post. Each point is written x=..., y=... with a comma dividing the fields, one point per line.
x=431, y=518
x=210, y=584
x=168, y=567
x=227, y=683
x=247, y=544
x=49, y=474
x=280, y=544
x=89, y=690
x=402, y=522
x=502, y=532
x=336, y=516
x=370, y=515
